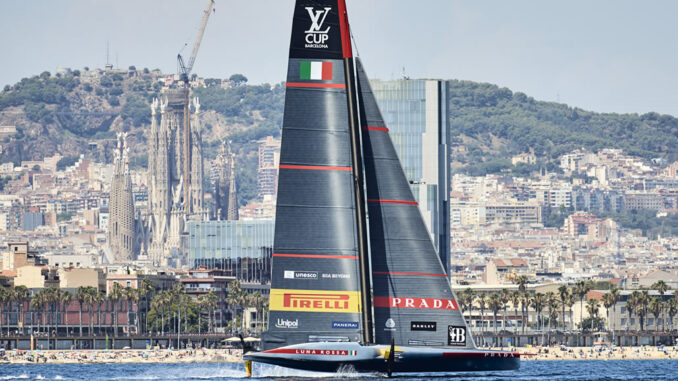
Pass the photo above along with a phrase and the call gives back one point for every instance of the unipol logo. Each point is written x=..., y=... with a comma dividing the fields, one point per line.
x=284, y=323
x=316, y=36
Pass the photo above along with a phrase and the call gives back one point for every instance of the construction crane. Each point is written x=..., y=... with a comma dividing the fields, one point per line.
x=184, y=72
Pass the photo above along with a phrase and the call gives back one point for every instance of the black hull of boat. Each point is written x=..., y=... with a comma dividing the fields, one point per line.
x=416, y=366
x=329, y=357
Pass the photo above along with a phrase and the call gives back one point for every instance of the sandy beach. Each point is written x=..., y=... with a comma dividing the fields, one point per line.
x=121, y=356
x=235, y=355
x=598, y=353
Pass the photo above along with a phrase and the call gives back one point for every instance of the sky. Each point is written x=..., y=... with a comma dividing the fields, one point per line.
x=599, y=55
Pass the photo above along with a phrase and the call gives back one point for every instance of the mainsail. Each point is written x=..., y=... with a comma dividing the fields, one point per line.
x=320, y=287
x=413, y=301
x=315, y=284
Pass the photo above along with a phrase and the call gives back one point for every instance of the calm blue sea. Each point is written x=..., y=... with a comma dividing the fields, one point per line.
x=532, y=370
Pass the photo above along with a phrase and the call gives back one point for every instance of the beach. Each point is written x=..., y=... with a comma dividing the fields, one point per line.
x=597, y=353
x=149, y=356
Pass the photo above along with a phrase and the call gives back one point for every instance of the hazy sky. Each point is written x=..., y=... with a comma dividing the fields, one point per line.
x=608, y=56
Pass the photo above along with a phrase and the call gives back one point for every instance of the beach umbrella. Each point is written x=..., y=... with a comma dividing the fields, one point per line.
x=231, y=339
x=251, y=339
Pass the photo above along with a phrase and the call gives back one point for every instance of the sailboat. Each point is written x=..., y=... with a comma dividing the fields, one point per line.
x=356, y=279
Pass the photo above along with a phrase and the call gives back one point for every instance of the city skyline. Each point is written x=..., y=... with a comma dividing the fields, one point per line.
x=603, y=56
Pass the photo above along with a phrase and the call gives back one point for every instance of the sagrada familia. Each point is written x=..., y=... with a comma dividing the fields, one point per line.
x=160, y=234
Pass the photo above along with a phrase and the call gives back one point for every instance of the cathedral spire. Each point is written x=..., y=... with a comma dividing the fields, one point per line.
x=121, y=228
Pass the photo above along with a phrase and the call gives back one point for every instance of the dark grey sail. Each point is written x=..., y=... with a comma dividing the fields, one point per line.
x=315, y=286
x=413, y=301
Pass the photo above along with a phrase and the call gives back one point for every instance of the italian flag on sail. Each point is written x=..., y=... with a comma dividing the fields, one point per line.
x=315, y=70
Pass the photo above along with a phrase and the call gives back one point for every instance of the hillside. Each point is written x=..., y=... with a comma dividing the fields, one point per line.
x=65, y=112
x=490, y=124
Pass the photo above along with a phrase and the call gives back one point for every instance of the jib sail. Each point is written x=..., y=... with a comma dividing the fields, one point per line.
x=413, y=301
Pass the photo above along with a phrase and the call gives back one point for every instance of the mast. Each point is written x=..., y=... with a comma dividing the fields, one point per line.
x=358, y=183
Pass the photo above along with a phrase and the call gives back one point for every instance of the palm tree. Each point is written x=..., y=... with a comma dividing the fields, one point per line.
x=515, y=301
x=521, y=281
x=571, y=300
x=115, y=296
x=494, y=304
x=65, y=299
x=643, y=303
x=81, y=297
x=36, y=305
x=631, y=304
x=5, y=297
x=20, y=296
x=581, y=288
x=550, y=300
x=655, y=306
x=661, y=287
x=160, y=301
x=608, y=301
x=132, y=297
x=91, y=300
x=504, y=297
x=564, y=293
x=592, y=307
x=538, y=301
x=466, y=298
x=671, y=310
x=145, y=289
x=258, y=302
x=525, y=302
x=99, y=299
x=211, y=302
x=481, y=299
x=614, y=298
x=553, y=315
x=237, y=298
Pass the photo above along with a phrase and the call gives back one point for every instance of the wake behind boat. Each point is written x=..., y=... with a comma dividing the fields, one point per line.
x=374, y=295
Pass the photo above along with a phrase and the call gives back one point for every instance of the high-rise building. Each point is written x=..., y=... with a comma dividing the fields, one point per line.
x=267, y=174
x=415, y=112
x=168, y=208
x=121, y=228
x=244, y=248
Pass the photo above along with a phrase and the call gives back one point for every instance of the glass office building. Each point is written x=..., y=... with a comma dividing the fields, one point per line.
x=242, y=247
x=415, y=112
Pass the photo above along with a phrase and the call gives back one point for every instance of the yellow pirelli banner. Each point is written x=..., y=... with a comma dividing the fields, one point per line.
x=315, y=301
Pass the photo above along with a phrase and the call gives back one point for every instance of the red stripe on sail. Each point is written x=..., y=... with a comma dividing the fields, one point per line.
x=316, y=256
x=345, y=31
x=376, y=200
x=315, y=167
x=321, y=85
x=327, y=71
x=403, y=273
x=370, y=128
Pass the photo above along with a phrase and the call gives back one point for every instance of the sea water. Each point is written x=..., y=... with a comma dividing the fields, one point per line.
x=530, y=370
